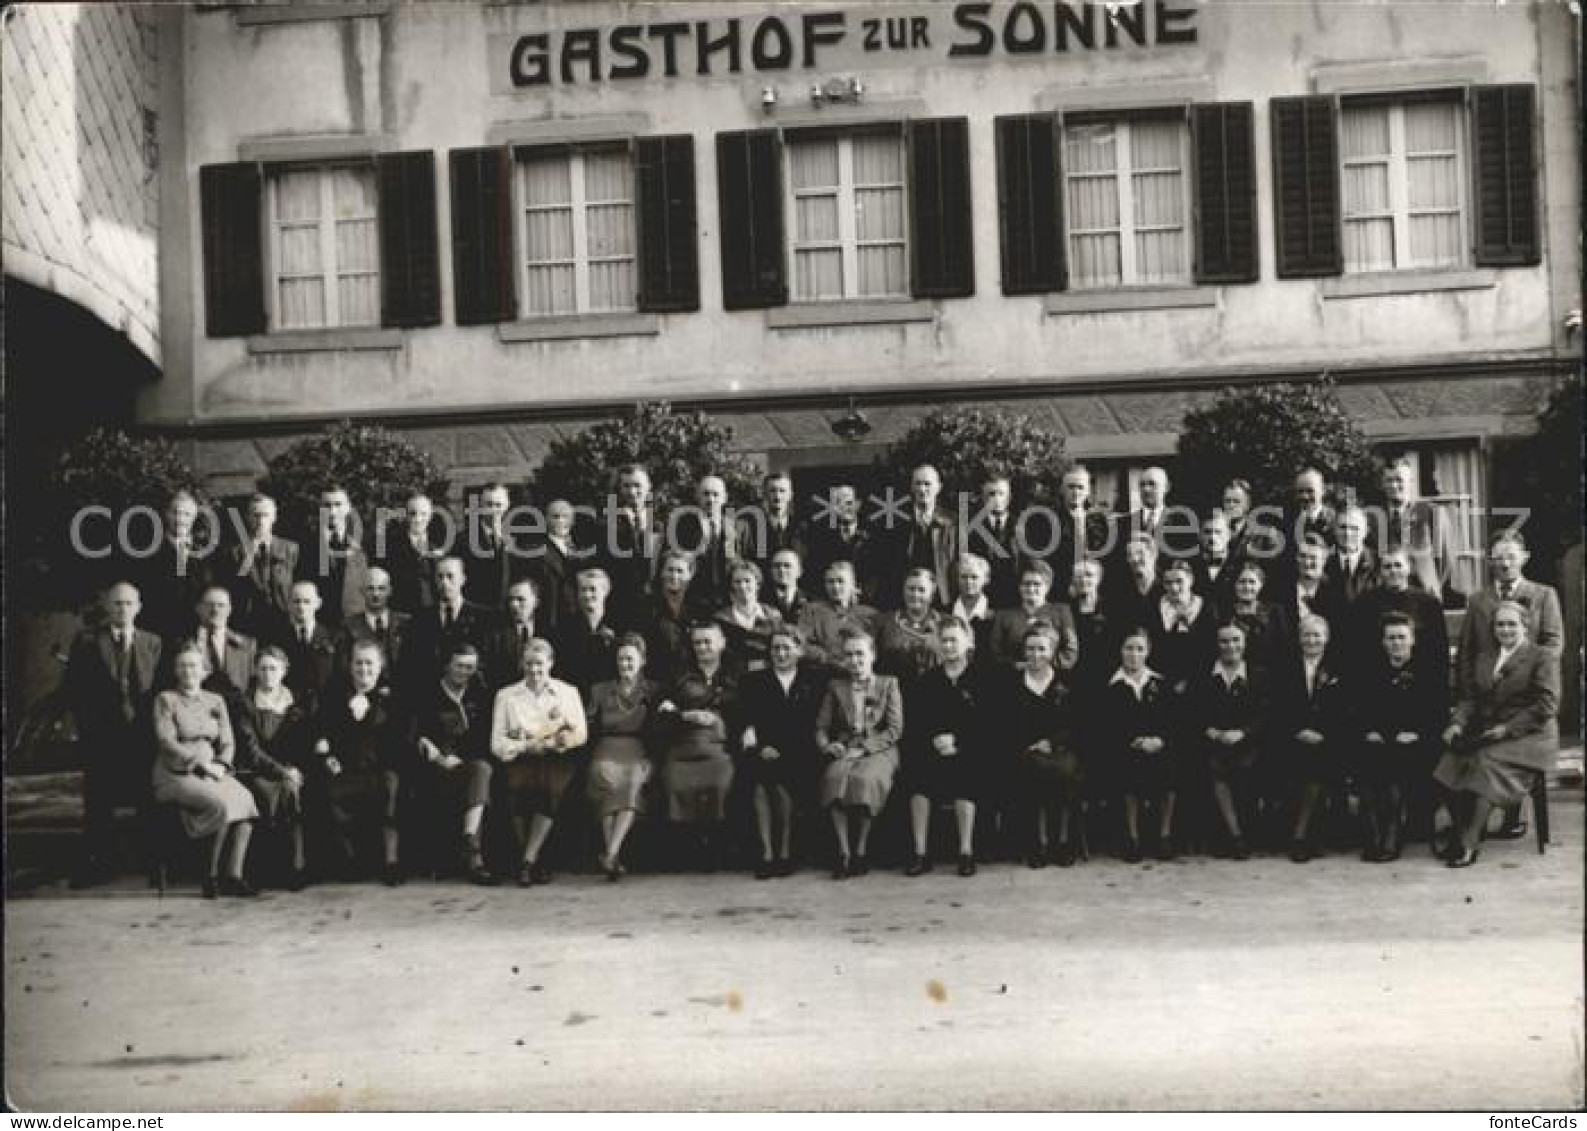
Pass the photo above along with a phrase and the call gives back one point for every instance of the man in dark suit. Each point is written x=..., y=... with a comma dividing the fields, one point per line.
x=1417, y=526
x=1311, y=590
x=228, y=655
x=1083, y=531
x=782, y=585
x=994, y=537
x=554, y=563
x=1310, y=516
x=259, y=571
x=312, y=648
x=1395, y=594
x=431, y=635
x=586, y=645
x=501, y=658
x=1214, y=569
x=706, y=532
x=844, y=538
x=339, y=567
x=775, y=527
x=928, y=539
x=409, y=556
x=172, y=578
x=490, y=553
x=1354, y=567
x=634, y=541
x=378, y=622
x=109, y=683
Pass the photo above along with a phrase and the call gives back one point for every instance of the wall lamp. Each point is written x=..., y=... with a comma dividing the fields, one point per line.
x=836, y=91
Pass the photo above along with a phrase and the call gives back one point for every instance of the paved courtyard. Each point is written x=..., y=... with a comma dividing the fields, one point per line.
x=1196, y=984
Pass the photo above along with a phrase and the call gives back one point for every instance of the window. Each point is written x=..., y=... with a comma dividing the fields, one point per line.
x=1127, y=195
x=577, y=236
x=846, y=199
x=324, y=247
x=1402, y=186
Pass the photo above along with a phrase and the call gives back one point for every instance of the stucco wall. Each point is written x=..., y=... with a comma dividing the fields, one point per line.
x=380, y=75
x=78, y=216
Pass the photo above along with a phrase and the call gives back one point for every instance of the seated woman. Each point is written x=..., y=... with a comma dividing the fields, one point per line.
x=1401, y=707
x=1134, y=733
x=946, y=751
x=906, y=639
x=621, y=718
x=747, y=624
x=858, y=728
x=1095, y=628
x=972, y=604
x=454, y=752
x=778, y=742
x=1038, y=723
x=1183, y=634
x=273, y=746
x=537, y=729
x=1504, y=731
x=696, y=719
x=1311, y=719
x=1009, y=625
x=192, y=771
x=364, y=742
x=1228, y=707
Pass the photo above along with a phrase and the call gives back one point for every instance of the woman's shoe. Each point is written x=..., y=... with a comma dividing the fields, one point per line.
x=785, y=867
x=526, y=875
x=1239, y=849
x=298, y=880
x=860, y=867
x=918, y=865
x=540, y=873
x=1066, y=856
x=1465, y=858
x=1132, y=851
x=1165, y=849
x=1037, y=858
x=237, y=888
x=1299, y=850
x=766, y=869
x=843, y=869
x=613, y=867
x=392, y=876
x=211, y=888
x=967, y=865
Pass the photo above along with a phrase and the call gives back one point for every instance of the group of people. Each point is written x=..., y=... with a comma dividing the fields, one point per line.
x=1188, y=697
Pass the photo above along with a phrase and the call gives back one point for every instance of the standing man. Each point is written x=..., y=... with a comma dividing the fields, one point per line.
x=1312, y=517
x=1215, y=569
x=929, y=540
x=340, y=568
x=492, y=559
x=1418, y=527
x=378, y=622
x=454, y=619
x=1354, y=567
x=410, y=556
x=843, y=539
x=712, y=539
x=995, y=540
x=172, y=579
x=1083, y=531
x=782, y=587
x=554, y=566
x=259, y=572
x=228, y=655
x=501, y=659
x=1396, y=594
x=312, y=648
x=636, y=540
x=760, y=541
x=109, y=684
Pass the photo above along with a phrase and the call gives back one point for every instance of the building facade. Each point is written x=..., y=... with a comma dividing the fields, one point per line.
x=485, y=224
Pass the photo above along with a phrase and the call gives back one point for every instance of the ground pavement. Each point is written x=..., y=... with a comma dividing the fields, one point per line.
x=1200, y=983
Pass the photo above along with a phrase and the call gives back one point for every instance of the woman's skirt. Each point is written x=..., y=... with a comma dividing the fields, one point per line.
x=537, y=783
x=862, y=783
x=697, y=786
x=943, y=778
x=618, y=773
x=1139, y=774
x=277, y=798
x=1501, y=772
x=1044, y=778
x=207, y=806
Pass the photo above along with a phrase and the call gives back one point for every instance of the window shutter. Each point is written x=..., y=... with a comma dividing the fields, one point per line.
x=231, y=198
x=669, y=265
x=1506, y=175
x=1225, y=192
x=1030, y=204
x=749, y=195
x=1306, y=186
x=941, y=252
x=410, y=278
x=483, y=278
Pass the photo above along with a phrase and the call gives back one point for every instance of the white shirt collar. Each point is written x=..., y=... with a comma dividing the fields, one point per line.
x=975, y=612
x=1136, y=682
x=1228, y=678
x=1170, y=613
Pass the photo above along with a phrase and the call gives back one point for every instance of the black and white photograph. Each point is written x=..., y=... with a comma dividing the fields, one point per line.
x=793, y=556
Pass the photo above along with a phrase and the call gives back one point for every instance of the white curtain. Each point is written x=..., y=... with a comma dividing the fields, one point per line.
x=880, y=261
x=1457, y=475
x=1432, y=173
x=818, y=253
x=609, y=229
x=1092, y=205
x=300, y=295
x=1365, y=187
x=353, y=197
x=1157, y=185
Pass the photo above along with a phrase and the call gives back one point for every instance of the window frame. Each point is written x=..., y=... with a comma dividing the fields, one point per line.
x=329, y=274
x=1124, y=173
x=1398, y=161
x=579, y=203
x=848, y=243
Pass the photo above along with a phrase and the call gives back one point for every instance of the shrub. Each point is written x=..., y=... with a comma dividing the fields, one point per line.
x=378, y=470
x=1266, y=435
x=969, y=445
x=1549, y=465
x=677, y=448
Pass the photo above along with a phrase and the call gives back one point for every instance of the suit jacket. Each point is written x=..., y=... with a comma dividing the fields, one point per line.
x=1390, y=700
x=1523, y=697
x=107, y=714
x=631, y=552
x=381, y=740
x=260, y=583
x=758, y=540
x=357, y=629
x=340, y=576
x=555, y=575
x=1008, y=634
x=412, y=572
x=585, y=655
x=1354, y=586
x=312, y=666
x=492, y=564
x=236, y=670
x=1075, y=546
x=783, y=720
x=934, y=546
x=1211, y=703
x=170, y=594
x=1327, y=602
x=1545, y=626
x=426, y=644
x=462, y=733
x=1422, y=529
x=1000, y=548
x=1325, y=707
x=713, y=558
x=1220, y=589
x=863, y=548
x=501, y=658
x=877, y=731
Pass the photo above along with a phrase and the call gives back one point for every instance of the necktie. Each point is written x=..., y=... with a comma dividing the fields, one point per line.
x=447, y=617
x=380, y=627
x=1506, y=590
x=523, y=637
x=303, y=634
x=217, y=652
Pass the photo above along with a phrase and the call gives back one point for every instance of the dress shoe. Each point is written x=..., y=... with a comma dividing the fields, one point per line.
x=1239, y=849
x=540, y=873
x=918, y=866
x=1066, y=855
x=237, y=888
x=1132, y=851
x=842, y=869
x=1037, y=858
x=526, y=875
x=392, y=876
x=860, y=867
x=298, y=880
x=1299, y=851
x=1510, y=830
x=1465, y=858
x=766, y=869
x=1165, y=849
x=481, y=876
x=211, y=888
x=613, y=867
x=967, y=865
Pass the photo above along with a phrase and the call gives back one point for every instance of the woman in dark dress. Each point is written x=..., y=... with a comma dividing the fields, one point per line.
x=1267, y=645
x=778, y=756
x=1402, y=707
x=620, y=717
x=1183, y=633
x=365, y=741
x=275, y=736
x=1312, y=722
x=1039, y=734
x=946, y=751
x=1228, y=706
x=747, y=624
x=1135, y=731
x=697, y=717
x=1094, y=625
